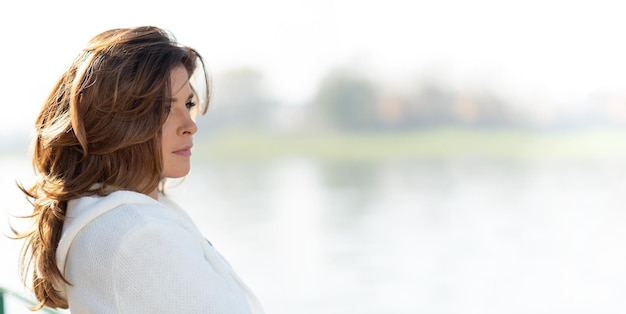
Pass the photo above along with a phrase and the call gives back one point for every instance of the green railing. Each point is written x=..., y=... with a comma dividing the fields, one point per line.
x=4, y=292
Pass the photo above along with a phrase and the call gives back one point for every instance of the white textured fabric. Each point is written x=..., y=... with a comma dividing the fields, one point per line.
x=128, y=253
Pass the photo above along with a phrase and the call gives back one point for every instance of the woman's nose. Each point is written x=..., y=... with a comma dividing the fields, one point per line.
x=189, y=125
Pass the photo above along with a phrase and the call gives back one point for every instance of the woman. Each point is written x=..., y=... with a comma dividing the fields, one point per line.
x=118, y=122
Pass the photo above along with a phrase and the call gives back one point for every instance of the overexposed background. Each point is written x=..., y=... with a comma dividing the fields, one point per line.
x=542, y=54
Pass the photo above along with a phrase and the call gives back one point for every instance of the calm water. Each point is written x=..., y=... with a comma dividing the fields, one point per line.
x=421, y=236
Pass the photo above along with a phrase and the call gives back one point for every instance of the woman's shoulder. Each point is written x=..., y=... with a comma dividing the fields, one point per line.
x=94, y=205
x=114, y=218
x=118, y=211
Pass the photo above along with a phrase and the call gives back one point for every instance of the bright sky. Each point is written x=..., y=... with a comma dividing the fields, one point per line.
x=558, y=49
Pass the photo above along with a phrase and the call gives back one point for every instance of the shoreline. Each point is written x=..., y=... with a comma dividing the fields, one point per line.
x=424, y=144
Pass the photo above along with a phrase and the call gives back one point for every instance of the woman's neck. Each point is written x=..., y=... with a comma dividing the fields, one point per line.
x=154, y=194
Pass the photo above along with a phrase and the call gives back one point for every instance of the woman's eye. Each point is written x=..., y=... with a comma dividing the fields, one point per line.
x=190, y=104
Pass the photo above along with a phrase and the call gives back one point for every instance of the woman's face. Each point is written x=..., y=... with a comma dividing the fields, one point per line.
x=177, y=131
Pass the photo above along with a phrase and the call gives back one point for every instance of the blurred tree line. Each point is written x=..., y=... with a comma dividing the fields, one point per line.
x=347, y=99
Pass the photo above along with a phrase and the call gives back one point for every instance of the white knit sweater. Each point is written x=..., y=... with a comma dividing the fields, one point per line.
x=128, y=253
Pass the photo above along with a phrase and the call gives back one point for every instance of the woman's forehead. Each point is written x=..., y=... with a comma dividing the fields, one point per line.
x=180, y=83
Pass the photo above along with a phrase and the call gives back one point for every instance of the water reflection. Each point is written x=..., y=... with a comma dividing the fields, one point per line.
x=453, y=235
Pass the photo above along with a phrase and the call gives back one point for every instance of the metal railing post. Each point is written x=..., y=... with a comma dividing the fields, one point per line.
x=1, y=301
x=23, y=299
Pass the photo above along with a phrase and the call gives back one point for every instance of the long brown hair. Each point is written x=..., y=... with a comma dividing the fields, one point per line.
x=98, y=132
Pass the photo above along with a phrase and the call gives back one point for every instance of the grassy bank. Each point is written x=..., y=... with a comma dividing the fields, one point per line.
x=436, y=143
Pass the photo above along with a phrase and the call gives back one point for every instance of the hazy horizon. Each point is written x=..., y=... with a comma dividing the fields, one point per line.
x=546, y=55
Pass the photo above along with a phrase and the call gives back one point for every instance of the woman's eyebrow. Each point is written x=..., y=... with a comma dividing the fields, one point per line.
x=188, y=98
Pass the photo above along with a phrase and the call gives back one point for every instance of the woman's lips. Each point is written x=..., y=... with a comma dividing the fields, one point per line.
x=186, y=151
